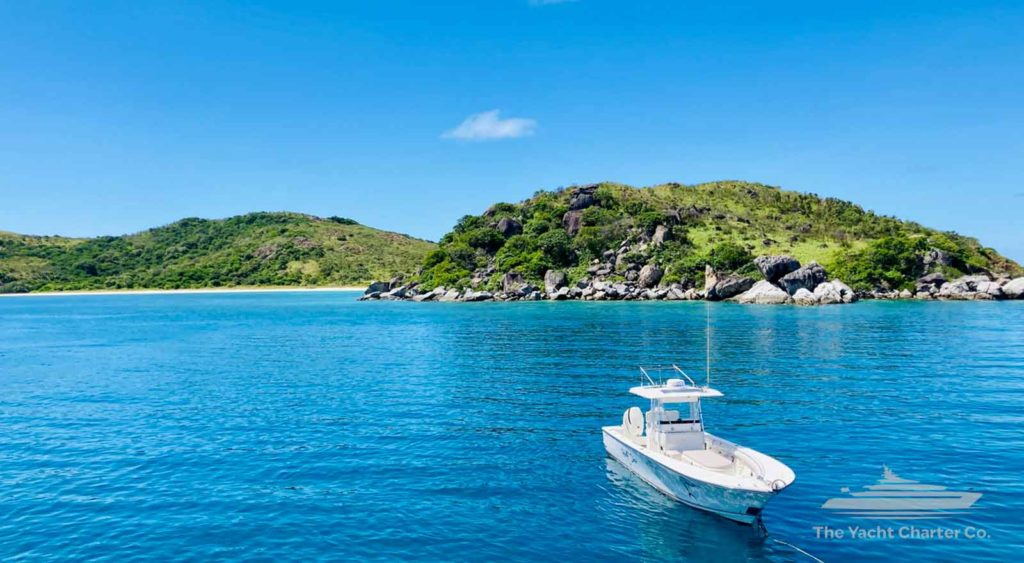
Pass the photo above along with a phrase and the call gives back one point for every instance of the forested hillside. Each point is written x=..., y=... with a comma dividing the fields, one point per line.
x=265, y=249
x=609, y=230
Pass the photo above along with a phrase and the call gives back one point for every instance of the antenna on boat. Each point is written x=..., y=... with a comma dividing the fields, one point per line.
x=707, y=338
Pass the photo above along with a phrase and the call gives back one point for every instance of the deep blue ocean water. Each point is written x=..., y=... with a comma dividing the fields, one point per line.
x=311, y=426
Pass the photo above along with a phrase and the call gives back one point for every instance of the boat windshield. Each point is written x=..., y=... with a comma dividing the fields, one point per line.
x=681, y=413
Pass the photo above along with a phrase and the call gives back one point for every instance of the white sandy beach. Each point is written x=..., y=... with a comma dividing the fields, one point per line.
x=185, y=291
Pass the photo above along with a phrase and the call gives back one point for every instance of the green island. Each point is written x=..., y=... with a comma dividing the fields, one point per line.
x=257, y=249
x=717, y=240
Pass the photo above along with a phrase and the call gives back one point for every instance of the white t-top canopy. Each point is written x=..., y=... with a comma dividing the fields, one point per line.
x=674, y=393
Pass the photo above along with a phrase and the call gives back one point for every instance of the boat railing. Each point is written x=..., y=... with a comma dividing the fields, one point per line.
x=675, y=371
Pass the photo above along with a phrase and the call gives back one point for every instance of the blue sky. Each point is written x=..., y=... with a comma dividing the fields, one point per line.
x=405, y=115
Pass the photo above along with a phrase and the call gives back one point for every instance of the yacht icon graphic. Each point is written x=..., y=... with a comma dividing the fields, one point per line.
x=894, y=497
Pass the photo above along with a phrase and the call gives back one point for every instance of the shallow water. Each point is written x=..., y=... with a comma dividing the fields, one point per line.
x=308, y=425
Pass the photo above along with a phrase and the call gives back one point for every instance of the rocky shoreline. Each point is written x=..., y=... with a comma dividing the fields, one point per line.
x=785, y=281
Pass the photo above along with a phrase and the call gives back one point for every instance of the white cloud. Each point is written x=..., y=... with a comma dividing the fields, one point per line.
x=489, y=126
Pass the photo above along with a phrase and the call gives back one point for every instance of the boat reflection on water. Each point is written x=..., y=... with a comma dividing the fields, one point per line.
x=668, y=530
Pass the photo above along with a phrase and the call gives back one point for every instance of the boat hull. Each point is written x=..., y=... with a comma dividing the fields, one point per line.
x=739, y=505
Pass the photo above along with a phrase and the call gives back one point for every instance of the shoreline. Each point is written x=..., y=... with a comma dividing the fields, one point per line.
x=201, y=290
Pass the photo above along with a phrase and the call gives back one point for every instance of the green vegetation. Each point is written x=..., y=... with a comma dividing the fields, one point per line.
x=725, y=224
x=258, y=249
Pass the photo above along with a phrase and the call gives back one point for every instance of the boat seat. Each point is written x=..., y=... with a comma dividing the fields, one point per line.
x=708, y=459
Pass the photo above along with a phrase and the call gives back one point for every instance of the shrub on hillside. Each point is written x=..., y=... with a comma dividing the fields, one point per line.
x=891, y=262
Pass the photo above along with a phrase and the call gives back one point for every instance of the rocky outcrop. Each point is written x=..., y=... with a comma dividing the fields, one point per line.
x=512, y=281
x=1014, y=289
x=661, y=235
x=730, y=286
x=827, y=294
x=649, y=276
x=807, y=277
x=804, y=297
x=764, y=293
x=450, y=295
x=935, y=258
x=976, y=287
x=509, y=227
x=477, y=296
x=554, y=280
x=930, y=284
x=717, y=288
x=633, y=282
x=582, y=198
x=572, y=221
x=710, y=278
x=774, y=267
x=845, y=291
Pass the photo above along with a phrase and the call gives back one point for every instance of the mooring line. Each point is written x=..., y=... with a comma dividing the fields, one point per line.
x=796, y=548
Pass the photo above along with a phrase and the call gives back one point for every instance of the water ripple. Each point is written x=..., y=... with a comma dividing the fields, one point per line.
x=309, y=426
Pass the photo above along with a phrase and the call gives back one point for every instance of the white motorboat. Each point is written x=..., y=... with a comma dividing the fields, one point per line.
x=669, y=449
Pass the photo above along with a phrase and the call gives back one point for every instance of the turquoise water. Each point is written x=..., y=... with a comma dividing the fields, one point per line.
x=308, y=425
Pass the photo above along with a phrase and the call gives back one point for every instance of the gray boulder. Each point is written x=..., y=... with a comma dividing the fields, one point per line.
x=936, y=279
x=846, y=292
x=710, y=277
x=827, y=294
x=966, y=287
x=477, y=296
x=804, y=297
x=807, y=277
x=649, y=276
x=991, y=289
x=835, y=292
x=553, y=280
x=729, y=286
x=935, y=257
x=428, y=296
x=661, y=234
x=512, y=282
x=774, y=267
x=509, y=227
x=572, y=221
x=450, y=295
x=560, y=295
x=378, y=287
x=1014, y=289
x=763, y=293
x=582, y=198
x=930, y=284
x=396, y=293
